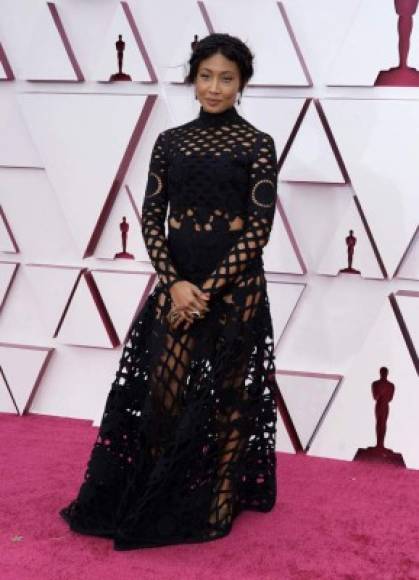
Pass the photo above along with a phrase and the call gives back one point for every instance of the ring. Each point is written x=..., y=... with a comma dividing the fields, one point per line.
x=173, y=314
x=196, y=313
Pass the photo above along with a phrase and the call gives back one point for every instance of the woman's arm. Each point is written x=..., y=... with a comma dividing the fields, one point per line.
x=154, y=211
x=261, y=212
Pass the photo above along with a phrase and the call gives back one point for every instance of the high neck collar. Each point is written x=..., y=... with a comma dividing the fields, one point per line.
x=217, y=119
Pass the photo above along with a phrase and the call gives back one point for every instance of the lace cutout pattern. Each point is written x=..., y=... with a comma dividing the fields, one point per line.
x=154, y=214
x=260, y=215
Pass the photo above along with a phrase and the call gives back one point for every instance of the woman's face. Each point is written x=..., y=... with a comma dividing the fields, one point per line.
x=217, y=83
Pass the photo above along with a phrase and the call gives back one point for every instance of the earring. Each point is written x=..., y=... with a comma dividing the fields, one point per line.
x=239, y=99
x=195, y=95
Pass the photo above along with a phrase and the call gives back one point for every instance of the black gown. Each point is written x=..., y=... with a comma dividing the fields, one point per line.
x=187, y=437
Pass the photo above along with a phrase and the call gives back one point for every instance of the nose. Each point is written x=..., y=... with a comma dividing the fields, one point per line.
x=214, y=88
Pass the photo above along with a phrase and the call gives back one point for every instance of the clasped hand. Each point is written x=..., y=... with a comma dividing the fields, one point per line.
x=187, y=301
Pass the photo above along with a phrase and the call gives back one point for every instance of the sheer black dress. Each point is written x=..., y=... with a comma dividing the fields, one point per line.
x=187, y=437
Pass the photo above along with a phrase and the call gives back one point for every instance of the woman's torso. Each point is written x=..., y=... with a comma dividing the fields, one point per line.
x=209, y=164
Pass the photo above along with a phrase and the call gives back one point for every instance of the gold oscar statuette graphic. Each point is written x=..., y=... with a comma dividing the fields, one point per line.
x=124, y=227
x=120, y=47
x=383, y=392
x=402, y=75
x=350, y=245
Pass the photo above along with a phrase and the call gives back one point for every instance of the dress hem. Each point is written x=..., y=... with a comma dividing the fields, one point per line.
x=126, y=546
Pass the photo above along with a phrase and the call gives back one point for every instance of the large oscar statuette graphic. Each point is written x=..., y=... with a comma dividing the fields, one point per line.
x=350, y=245
x=124, y=227
x=402, y=75
x=383, y=393
x=120, y=47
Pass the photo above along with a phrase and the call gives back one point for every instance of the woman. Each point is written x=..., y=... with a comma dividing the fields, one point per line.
x=187, y=438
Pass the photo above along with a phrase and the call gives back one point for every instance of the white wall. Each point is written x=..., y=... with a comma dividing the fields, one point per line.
x=352, y=163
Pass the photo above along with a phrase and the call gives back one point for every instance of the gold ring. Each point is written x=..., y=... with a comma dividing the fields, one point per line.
x=173, y=314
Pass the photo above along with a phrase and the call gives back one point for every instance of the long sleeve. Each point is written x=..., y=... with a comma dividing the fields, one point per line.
x=154, y=210
x=260, y=215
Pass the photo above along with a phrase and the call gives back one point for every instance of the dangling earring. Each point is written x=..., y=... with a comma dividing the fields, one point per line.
x=239, y=99
x=195, y=95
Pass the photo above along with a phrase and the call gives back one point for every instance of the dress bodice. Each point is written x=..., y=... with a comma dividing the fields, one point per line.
x=210, y=171
x=209, y=161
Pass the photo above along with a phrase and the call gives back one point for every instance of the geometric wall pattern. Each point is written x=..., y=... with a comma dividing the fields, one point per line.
x=74, y=153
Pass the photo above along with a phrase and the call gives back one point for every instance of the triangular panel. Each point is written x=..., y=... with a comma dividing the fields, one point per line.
x=50, y=56
x=24, y=366
x=136, y=61
x=85, y=323
x=8, y=271
x=122, y=293
x=86, y=142
x=52, y=288
x=311, y=157
x=307, y=397
x=8, y=243
x=283, y=299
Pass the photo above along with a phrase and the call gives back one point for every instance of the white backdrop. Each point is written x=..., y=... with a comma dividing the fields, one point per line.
x=74, y=152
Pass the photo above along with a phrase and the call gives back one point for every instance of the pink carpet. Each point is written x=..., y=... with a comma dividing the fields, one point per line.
x=332, y=520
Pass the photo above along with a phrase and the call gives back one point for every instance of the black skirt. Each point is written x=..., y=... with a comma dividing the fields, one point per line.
x=187, y=437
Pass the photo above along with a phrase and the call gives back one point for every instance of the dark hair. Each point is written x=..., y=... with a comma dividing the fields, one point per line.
x=229, y=46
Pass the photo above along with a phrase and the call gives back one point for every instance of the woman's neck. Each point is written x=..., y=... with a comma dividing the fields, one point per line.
x=210, y=118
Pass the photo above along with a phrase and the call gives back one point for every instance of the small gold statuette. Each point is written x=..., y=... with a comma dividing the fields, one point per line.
x=124, y=227
x=120, y=47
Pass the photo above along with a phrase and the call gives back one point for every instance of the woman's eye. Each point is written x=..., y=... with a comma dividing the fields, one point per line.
x=207, y=76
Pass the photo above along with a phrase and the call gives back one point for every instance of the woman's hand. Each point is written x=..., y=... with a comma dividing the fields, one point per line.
x=187, y=298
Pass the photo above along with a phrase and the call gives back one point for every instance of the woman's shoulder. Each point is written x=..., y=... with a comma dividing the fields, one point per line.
x=177, y=130
x=260, y=138
x=258, y=134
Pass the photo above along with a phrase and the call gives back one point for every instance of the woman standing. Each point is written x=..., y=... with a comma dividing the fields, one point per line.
x=187, y=438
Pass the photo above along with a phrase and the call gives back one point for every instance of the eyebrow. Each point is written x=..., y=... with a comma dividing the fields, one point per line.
x=222, y=72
